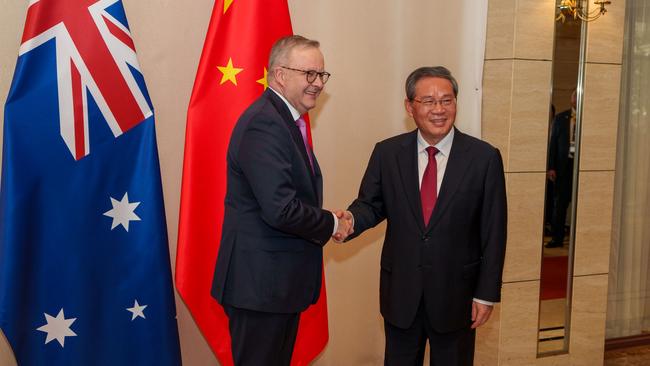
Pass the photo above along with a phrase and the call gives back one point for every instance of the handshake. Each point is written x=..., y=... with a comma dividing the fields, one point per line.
x=346, y=225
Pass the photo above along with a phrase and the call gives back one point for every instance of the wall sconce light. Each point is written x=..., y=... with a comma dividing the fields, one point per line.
x=573, y=9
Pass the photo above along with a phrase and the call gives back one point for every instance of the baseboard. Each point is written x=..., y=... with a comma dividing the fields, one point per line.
x=626, y=342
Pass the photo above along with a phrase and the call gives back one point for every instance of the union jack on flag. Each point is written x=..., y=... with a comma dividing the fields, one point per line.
x=94, y=52
x=84, y=261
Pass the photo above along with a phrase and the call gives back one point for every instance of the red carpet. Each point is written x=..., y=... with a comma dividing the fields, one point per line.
x=553, y=282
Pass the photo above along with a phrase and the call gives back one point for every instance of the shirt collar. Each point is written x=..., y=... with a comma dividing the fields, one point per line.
x=443, y=146
x=294, y=112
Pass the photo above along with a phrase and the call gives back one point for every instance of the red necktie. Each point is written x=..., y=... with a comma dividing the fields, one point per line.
x=429, y=186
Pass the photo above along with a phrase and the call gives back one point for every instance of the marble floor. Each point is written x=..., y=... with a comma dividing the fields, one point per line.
x=634, y=356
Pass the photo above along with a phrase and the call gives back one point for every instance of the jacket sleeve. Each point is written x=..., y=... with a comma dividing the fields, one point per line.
x=494, y=218
x=368, y=209
x=265, y=156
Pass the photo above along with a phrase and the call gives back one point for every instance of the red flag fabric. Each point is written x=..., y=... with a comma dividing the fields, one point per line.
x=231, y=75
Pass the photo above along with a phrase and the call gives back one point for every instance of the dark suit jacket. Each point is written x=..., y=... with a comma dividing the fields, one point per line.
x=270, y=258
x=460, y=254
x=558, y=148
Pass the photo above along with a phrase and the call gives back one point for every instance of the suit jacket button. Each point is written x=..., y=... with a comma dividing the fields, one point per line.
x=425, y=238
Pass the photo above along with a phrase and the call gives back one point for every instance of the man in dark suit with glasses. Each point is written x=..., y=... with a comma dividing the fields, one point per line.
x=443, y=195
x=270, y=260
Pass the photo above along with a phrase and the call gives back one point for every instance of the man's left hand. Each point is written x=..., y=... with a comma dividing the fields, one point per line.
x=480, y=314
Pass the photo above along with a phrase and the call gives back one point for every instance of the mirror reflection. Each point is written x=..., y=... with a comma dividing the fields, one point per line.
x=557, y=240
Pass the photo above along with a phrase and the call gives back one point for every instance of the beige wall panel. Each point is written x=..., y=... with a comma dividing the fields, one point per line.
x=529, y=121
x=497, y=96
x=487, y=340
x=600, y=117
x=534, y=28
x=525, y=211
x=594, y=223
x=519, y=312
x=588, y=313
x=10, y=34
x=500, y=29
x=605, y=35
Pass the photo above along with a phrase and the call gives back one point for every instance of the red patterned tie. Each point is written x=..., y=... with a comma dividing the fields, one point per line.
x=429, y=187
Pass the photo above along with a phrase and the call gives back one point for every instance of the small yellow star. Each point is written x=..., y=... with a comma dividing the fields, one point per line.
x=229, y=72
x=263, y=80
x=226, y=5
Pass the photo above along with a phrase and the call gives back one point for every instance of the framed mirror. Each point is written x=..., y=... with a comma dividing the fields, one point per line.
x=561, y=186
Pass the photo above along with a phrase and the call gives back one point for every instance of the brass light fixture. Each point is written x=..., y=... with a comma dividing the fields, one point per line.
x=573, y=9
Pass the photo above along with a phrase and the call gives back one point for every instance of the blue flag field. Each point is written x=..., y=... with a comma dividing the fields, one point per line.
x=84, y=260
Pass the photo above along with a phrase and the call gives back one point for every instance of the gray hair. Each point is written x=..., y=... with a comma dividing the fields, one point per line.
x=283, y=47
x=429, y=72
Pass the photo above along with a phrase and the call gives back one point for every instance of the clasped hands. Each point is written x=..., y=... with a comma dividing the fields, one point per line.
x=346, y=225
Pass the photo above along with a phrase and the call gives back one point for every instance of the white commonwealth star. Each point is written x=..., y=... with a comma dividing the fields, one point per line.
x=57, y=328
x=122, y=212
x=137, y=310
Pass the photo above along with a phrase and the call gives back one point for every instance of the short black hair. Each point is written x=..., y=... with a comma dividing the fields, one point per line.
x=429, y=72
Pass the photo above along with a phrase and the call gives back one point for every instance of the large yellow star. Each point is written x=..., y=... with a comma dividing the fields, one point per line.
x=229, y=72
x=226, y=5
x=263, y=80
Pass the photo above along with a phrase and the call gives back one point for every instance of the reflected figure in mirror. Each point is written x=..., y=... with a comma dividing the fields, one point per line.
x=549, y=196
x=560, y=169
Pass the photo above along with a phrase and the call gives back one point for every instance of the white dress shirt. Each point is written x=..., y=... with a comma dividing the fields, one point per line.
x=444, y=148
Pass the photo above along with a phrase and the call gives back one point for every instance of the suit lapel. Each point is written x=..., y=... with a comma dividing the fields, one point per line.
x=408, y=168
x=318, y=181
x=297, y=139
x=457, y=165
x=314, y=175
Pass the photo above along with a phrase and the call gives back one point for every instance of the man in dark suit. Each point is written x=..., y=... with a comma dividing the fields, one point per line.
x=443, y=195
x=561, y=148
x=270, y=260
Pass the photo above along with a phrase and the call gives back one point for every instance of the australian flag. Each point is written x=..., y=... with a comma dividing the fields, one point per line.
x=84, y=260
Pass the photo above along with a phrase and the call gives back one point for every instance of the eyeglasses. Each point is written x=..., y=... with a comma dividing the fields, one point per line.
x=430, y=103
x=311, y=74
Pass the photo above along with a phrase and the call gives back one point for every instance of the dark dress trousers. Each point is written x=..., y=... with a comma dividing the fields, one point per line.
x=459, y=255
x=270, y=258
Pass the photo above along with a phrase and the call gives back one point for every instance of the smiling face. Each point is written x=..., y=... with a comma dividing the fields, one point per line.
x=293, y=84
x=433, y=108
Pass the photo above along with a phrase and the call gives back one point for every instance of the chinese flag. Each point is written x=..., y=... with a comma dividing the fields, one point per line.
x=231, y=75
